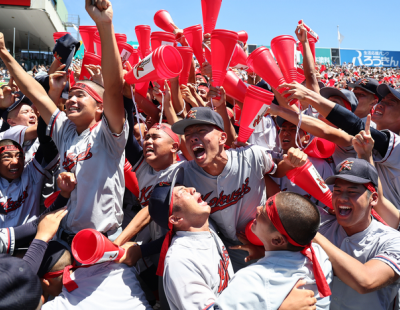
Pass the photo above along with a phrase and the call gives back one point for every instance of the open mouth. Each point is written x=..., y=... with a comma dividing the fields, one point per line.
x=344, y=210
x=201, y=202
x=73, y=109
x=285, y=140
x=199, y=151
x=149, y=151
x=14, y=170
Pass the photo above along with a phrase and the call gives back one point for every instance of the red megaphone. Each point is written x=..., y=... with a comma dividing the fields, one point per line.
x=284, y=49
x=194, y=37
x=121, y=38
x=253, y=239
x=237, y=112
x=89, y=59
x=142, y=88
x=309, y=30
x=239, y=58
x=210, y=10
x=131, y=181
x=187, y=57
x=223, y=44
x=57, y=35
x=234, y=86
x=300, y=75
x=97, y=43
x=49, y=200
x=163, y=20
x=320, y=148
x=307, y=178
x=159, y=38
x=311, y=42
x=162, y=64
x=87, y=34
x=264, y=65
x=243, y=36
x=134, y=59
x=143, y=37
x=91, y=247
x=255, y=106
x=125, y=50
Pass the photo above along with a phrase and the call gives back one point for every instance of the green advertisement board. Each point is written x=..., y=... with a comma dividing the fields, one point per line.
x=322, y=56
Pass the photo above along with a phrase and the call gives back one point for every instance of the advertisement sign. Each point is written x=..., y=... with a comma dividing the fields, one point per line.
x=16, y=2
x=322, y=56
x=376, y=58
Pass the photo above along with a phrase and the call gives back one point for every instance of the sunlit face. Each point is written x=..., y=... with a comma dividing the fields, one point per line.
x=81, y=108
x=23, y=115
x=204, y=143
x=158, y=146
x=287, y=136
x=387, y=112
x=11, y=165
x=366, y=102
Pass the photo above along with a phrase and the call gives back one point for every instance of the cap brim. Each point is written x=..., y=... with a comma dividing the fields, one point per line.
x=352, y=85
x=384, y=90
x=351, y=178
x=328, y=92
x=15, y=104
x=179, y=127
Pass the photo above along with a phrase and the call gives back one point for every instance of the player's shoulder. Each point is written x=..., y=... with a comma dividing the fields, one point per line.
x=249, y=151
x=384, y=233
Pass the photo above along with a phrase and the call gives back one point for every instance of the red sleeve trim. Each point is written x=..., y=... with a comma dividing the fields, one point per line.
x=208, y=306
x=53, y=123
x=9, y=240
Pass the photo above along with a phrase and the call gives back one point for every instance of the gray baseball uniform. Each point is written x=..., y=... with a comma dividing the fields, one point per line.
x=7, y=240
x=97, y=157
x=265, y=284
x=376, y=242
x=197, y=269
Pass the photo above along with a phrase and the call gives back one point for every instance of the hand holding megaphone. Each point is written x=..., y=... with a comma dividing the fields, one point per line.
x=295, y=157
x=301, y=33
x=294, y=91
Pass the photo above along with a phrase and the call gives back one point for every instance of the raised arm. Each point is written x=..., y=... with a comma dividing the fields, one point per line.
x=101, y=13
x=27, y=84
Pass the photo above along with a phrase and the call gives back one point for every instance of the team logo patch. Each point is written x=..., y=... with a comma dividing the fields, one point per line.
x=364, y=82
x=58, y=57
x=11, y=205
x=71, y=160
x=164, y=184
x=346, y=165
x=191, y=114
x=223, y=271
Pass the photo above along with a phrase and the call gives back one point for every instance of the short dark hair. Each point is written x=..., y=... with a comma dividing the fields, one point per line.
x=9, y=142
x=299, y=216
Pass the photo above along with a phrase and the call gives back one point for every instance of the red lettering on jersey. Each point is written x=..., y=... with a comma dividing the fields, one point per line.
x=71, y=160
x=223, y=271
x=224, y=201
x=11, y=205
x=144, y=196
x=205, y=197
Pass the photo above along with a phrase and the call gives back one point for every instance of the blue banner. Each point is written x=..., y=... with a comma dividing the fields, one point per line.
x=370, y=58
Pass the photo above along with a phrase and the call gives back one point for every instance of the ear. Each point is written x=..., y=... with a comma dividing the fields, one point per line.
x=373, y=199
x=45, y=282
x=174, y=220
x=223, y=138
x=305, y=139
x=278, y=240
x=175, y=147
x=99, y=108
x=10, y=122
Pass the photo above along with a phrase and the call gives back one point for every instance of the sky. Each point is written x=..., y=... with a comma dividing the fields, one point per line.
x=364, y=24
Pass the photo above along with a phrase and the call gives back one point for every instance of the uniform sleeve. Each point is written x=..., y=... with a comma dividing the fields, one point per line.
x=187, y=288
x=16, y=133
x=59, y=128
x=391, y=157
x=114, y=142
x=37, y=173
x=263, y=160
x=389, y=252
x=7, y=241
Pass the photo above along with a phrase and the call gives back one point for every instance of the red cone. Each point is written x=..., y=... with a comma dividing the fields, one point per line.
x=87, y=34
x=159, y=38
x=194, y=37
x=210, y=10
x=143, y=37
x=239, y=58
x=234, y=86
x=163, y=20
x=187, y=57
x=243, y=36
x=89, y=59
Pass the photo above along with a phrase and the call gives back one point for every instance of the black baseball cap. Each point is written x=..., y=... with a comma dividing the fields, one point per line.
x=20, y=287
x=198, y=116
x=44, y=80
x=21, y=98
x=384, y=90
x=367, y=84
x=160, y=202
x=54, y=252
x=355, y=170
x=345, y=94
x=65, y=49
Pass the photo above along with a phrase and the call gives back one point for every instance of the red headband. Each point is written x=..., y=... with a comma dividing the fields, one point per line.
x=372, y=189
x=272, y=212
x=168, y=131
x=167, y=241
x=347, y=105
x=92, y=93
x=10, y=148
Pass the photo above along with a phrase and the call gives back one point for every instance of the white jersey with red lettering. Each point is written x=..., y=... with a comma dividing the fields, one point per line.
x=20, y=198
x=196, y=271
x=265, y=134
x=102, y=286
x=388, y=169
x=148, y=178
x=97, y=157
x=17, y=134
x=235, y=194
x=320, y=165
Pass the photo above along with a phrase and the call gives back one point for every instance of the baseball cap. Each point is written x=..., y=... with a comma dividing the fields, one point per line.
x=160, y=202
x=345, y=94
x=44, y=80
x=21, y=99
x=20, y=288
x=384, y=90
x=198, y=116
x=54, y=252
x=367, y=84
x=355, y=170
x=65, y=49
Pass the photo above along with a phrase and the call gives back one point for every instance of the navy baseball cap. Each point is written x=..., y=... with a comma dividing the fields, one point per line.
x=345, y=94
x=198, y=116
x=54, y=252
x=20, y=287
x=21, y=99
x=384, y=90
x=355, y=170
x=367, y=84
x=44, y=80
x=65, y=49
x=160, y=202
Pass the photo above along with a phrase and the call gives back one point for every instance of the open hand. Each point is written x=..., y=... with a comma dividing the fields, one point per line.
x=66, y=182
x=49, y=224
